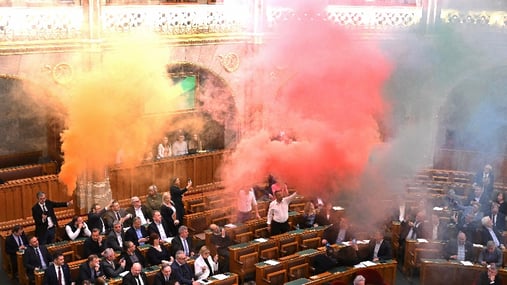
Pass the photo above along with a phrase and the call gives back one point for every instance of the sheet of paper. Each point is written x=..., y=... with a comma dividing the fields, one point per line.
x=272, y=262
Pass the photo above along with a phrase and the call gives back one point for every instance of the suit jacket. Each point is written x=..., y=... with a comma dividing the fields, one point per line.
x=92, y=247
x=11, y=245
x=155, y=257
x=177, y=198
x=51, y=276
x=129, y=262
x=131, y=235
x=331, y=234
x=160, y=279
x=405, y=230
x=182, y=273
x=441, y=231
x=484, y=279
x=146, y=212
x=385, y=251
x=95, y=221
x=85, y=273
x=500, y=221
x=451, y=248
x=495, y=257
x=109, y=217
x=113, y=242
x=167, y=215
x=177, y=244
x=322, y=218
x=108, y=269
x=152, y=228
x=485, y=235
x=129, y=279
x=40, y=225
x=31, y=260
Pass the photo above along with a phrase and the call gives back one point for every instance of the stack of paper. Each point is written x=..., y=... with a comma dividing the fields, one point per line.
x=271, y=262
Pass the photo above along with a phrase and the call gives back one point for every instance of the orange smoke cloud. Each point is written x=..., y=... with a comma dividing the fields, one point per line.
x=106, y=112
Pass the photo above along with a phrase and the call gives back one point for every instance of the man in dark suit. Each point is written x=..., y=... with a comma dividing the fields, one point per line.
x=36, y=257
x=159, y=226
x=136, y=276
x=57, y=272
x=182, y=242
x=181, y=270
x=95, y=220
x=326, y=215
x=94, y=244
x=339, y=233
x=116, y=213
x=497, y=218
x=13, y=243
x=90, y=270
x=109, y=266
x=137, y=233
x=459, y=249
x=116, y=237
x=488, y=232
x=164, y=277
x=137, y=209
x=486, y=179
x=43, y=214
x=379, y=248
x=436, y=229
x=132, y=255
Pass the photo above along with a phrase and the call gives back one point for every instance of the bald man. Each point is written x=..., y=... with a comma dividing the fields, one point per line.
x=136, y=276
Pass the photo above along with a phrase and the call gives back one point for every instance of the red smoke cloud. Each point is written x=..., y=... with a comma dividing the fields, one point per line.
x=313, y=81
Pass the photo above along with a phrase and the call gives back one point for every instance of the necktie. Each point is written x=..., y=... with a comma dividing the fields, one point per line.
x=60, y=275
x=44, y=208
x=118, y=215
x=20, y=242
x=41, y=258
x=185, y=247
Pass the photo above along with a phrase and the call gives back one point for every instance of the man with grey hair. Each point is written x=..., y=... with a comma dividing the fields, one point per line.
x=359, y=280
x=488, y=232
x=182, y=242
x=137, y=209
x=491, y=254
x=111, y=268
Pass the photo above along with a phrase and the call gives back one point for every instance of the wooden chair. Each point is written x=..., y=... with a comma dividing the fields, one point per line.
x=269, y=253
x=261, y=233
x=372, y=276
x=243, y=237
x=289, y=248
x=299, y=271
x=277, y=278
x=311, y=243
x=247, y=265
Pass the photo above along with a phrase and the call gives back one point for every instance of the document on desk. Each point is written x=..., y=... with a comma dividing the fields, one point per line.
x=124, y=273
x=422, y=240
x=260, y=240
x=467, y=263
x=271, y=262
x=368, y=263
x=231, y=226
x=220, y=276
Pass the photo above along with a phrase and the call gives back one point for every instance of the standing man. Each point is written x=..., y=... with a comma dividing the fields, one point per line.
x=58, y=272
x=247, y=202
x=153, y=199
x=177, y=197
x=43, y=214
x=278, y=213
x=182, y=242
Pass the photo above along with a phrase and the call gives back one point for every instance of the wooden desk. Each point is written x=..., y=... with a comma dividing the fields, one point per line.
x=346, y=274
x=415, y=250
x=263, y=268
x=443, y=272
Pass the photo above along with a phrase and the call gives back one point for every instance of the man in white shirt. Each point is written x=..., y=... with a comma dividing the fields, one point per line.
x=137, y=209
x=247, y=202
x=278, y=213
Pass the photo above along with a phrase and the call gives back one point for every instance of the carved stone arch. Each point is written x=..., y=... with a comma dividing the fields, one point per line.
x=214, y=104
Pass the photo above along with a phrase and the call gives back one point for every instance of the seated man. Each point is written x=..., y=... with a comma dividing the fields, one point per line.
x=379, y=248
x=36, y=257
x=90, y=271
x=490, y=277
x=116, y=237
x=77, y=228
x=182, y=271
x=164, y=277
x=132, y=255
x=116, y=214
x=57, y=270
x=110, y=267
x=137, y=209
x=136, y=276
x=491, y=254
x=159, y=227
x=94, y=244
x=459, y=249
x=13, y=243
x=182, y=242
x=221, y=242
x=137, y=233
